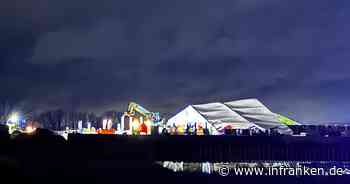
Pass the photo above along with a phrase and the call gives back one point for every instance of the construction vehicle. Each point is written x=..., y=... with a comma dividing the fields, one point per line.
x=139, y=121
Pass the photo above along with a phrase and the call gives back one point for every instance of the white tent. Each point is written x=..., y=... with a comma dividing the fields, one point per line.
x=215, y=115
x=190, y=115
x=256, y=112
x=219, y=115
x=240, y=114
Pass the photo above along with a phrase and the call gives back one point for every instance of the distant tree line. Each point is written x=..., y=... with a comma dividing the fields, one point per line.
x=5, y=109
x=60, y=119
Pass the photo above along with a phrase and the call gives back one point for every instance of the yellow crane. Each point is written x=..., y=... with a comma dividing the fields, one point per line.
x=139, y=120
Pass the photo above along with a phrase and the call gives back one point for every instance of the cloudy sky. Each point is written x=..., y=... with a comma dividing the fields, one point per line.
x=98, y=55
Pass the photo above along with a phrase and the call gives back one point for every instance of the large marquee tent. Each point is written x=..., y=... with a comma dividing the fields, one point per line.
x=239, y=114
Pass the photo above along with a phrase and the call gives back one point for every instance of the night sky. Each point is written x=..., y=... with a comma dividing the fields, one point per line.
x=90, y=55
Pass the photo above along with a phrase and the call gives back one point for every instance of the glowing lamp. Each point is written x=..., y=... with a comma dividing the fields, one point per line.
x=14, y=118
x=30, y=129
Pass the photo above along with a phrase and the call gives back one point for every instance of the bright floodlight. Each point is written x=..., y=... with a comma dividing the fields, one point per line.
x=30, y=129
x=13, y=118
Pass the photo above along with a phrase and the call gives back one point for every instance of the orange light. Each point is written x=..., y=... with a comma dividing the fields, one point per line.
x=30, y=129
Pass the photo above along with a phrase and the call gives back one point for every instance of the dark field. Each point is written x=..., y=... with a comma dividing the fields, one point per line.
x=46, y=158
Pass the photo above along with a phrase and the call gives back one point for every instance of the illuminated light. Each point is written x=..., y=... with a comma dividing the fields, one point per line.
x=181, y=129
x=30, y=129
x=80, y=125
x=135, y=123
x=14, y=117
x=149, y=124
x=109, y=124
x=143, y=129
x=141, y=119
x=135, y=126
x=104, y=124
x=11, y=127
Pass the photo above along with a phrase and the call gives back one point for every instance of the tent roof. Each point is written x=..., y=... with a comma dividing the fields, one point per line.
x=189, y=114
x=252, y=109
x=219, y=115
x=240, y=114
x=249, y=106
x=256, y=112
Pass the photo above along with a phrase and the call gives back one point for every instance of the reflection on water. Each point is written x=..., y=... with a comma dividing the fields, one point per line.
x=210, y=168
x=204, y=167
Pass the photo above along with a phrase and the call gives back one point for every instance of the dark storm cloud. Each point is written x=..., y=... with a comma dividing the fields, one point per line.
x=165, y=54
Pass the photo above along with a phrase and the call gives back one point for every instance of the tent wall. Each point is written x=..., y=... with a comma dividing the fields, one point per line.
x=190, y=115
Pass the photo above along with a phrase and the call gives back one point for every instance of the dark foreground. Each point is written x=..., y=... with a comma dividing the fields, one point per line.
x=45, y=158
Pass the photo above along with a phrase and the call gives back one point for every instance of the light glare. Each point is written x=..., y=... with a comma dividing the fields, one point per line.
x=30, y=129
x=14, y=118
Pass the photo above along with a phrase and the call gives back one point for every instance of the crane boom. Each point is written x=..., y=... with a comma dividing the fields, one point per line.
x=140, y=119
x=134, y=107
